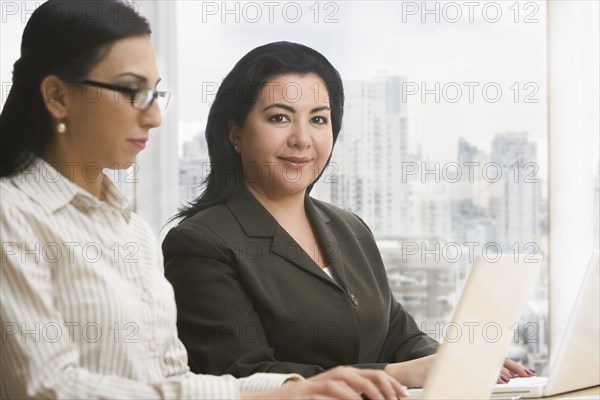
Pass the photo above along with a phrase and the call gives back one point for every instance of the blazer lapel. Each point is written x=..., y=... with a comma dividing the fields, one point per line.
x=257, y=222
x=253, y=218
x=327, y=239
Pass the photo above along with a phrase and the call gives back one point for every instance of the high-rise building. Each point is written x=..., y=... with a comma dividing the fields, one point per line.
x=471, y=196
x=430, y=203
x=366, y=165
x=515, y=198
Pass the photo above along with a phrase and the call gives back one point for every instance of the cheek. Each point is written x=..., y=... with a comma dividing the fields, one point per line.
x=261, y=139
x=117, y=113
x=114, y=117
x=325, y=145
x=101, y=129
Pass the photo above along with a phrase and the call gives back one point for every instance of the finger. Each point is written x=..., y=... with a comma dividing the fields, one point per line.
x=361, y=380
x=373, y=383
x=365, y=386
x=317, y=396
x=323, y=389
x=400, y=390
x=527, y=373
x=338, y=389
x=507, y=373
x=382, y=382
x=517, y=368
x=388, y=385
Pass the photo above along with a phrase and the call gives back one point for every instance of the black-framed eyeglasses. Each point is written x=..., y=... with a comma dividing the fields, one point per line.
x=141, y=99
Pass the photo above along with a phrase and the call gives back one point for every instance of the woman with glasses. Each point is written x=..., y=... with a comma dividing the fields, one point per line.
x=140, y=99
x=267, y=278
x=85, y=310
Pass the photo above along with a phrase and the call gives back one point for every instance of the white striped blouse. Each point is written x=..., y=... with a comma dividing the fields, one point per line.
x=85, y=310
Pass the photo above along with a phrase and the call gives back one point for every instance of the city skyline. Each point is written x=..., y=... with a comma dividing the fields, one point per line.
x=372, y=152
x=439, y=58
x=439, y=55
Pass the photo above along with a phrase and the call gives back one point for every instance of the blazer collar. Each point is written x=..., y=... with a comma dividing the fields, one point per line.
x=327, y=240
x=256, y=221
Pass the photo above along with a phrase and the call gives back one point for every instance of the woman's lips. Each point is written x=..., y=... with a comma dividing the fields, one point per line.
x=139, y=143
x=295, y=162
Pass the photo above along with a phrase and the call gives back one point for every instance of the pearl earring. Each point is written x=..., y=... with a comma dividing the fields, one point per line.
x=61, y=127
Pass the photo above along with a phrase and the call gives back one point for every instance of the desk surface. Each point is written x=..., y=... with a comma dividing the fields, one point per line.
x=578, y=394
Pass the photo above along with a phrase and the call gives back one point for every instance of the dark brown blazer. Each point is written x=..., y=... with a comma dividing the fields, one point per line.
x=249, y=299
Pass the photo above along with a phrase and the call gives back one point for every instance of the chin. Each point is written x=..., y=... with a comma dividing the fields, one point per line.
x=295, y=188
x=123, y=163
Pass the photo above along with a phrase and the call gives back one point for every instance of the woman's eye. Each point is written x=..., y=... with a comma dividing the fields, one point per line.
x=130, y=86
x=319, y=120
x=140, y=97
x=131, y=90
x=279, y=118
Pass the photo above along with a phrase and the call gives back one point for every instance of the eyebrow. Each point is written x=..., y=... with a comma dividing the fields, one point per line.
x=141, y=78
x=291, y=109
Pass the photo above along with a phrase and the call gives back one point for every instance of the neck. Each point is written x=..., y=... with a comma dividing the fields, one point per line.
x=84, y=173
x=281, y=206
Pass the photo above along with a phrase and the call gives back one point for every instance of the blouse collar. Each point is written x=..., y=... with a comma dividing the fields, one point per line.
x=53, y=191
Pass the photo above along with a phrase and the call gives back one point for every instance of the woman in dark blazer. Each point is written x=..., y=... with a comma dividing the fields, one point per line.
x=267, y=278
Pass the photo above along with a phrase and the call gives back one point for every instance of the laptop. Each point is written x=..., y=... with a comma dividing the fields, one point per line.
x=475, y=342
x=577, y=362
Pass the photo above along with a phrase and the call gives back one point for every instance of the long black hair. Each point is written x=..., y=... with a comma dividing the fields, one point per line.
x=63, y=38
x=237, y=94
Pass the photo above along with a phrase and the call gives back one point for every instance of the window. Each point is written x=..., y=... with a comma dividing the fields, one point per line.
x=445, y=143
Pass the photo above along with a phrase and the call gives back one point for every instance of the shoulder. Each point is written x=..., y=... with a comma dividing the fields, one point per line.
x=22, y=220
x=15, y=204
x=9, y=199
x=206, y=221
x=211, y=216
x=206, y=226
x=11, y=195
x=343, y=218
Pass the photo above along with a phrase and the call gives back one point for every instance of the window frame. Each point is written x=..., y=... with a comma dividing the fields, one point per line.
x=572, y=54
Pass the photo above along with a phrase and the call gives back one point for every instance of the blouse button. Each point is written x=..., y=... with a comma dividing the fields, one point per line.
x=353, y=299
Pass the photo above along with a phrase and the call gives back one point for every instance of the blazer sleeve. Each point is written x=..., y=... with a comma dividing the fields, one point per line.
x=405, y=341
x=216, y=319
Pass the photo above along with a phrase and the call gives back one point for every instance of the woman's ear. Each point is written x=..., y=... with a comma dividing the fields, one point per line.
x=55, y=95
x=234, y=135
